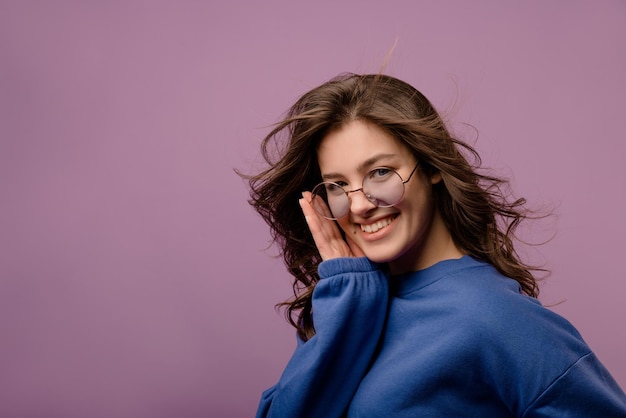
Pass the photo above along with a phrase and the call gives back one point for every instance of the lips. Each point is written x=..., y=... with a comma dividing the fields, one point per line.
x=378, y=225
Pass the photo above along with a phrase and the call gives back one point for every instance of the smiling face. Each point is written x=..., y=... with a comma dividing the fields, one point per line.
x=409, y=235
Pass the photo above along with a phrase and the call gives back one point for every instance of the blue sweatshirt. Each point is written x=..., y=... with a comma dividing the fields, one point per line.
x=455, y=339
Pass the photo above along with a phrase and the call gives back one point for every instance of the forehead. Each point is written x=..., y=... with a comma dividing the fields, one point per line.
x=351, y=146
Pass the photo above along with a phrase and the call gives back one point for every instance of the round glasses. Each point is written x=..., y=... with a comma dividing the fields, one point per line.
x=382, y=186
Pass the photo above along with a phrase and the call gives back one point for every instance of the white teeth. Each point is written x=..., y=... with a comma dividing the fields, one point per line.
x=376, y=226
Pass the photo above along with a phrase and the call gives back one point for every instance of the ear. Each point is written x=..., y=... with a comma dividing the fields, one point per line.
x=435, y=178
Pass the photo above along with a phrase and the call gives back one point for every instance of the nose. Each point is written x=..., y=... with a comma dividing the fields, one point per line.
x=360, y=205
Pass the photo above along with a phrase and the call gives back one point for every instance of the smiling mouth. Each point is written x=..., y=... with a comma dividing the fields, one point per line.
x=377, y=226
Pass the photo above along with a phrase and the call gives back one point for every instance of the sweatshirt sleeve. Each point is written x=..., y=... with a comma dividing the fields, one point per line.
x=586, y=389
x=349, y=309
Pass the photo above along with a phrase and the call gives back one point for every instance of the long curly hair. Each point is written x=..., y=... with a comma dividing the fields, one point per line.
x=475, y=207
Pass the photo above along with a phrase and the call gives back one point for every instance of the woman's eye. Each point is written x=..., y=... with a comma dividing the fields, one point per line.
x=335, y=187
x=379, y=173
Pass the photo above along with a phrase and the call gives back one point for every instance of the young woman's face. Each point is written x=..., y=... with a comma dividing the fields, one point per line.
x=403, y=234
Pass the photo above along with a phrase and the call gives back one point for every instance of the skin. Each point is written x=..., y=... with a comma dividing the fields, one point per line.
x=416, y=237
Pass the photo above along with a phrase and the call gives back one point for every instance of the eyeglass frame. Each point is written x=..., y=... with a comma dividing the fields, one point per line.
x=360, y=189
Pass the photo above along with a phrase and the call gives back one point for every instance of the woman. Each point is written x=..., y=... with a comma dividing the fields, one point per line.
x=410, y=299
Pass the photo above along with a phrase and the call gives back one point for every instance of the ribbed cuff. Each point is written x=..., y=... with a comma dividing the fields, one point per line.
x=342, y=265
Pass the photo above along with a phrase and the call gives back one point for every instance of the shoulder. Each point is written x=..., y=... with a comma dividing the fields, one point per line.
x=495, y=304
x=513, y=336
x=485, y=312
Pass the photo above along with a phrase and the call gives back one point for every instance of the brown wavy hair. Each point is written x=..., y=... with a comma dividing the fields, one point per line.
x=475, y=207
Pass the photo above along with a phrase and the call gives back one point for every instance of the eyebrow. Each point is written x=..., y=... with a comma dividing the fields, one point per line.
x=364, y=165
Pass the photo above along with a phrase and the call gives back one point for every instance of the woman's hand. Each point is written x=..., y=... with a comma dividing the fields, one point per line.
x=326, y=233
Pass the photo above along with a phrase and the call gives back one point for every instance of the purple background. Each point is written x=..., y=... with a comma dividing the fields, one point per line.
x=134, y=277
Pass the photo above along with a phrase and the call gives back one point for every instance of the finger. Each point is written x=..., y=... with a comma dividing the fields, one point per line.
x=326, y=226
x=325, y=232
x=319, y=204
x=307, y=208
x=356, y=250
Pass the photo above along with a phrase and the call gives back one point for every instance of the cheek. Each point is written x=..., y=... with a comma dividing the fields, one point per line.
x=419, y=208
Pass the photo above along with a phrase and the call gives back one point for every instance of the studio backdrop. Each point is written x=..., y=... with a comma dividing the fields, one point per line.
x=136, y=281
